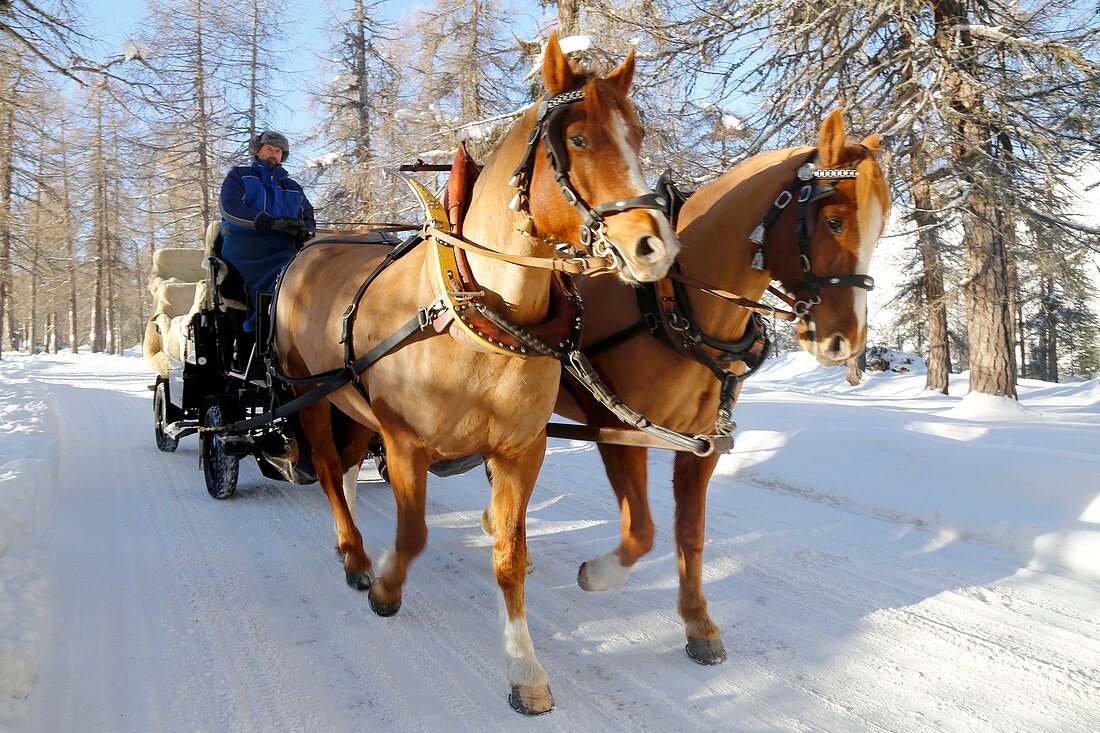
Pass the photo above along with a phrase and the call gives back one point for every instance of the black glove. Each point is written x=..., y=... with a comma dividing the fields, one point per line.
x=286, y=225
x=263, y=222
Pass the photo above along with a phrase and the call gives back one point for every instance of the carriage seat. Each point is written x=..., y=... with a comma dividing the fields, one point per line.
x=231, y=288
x=177, y=283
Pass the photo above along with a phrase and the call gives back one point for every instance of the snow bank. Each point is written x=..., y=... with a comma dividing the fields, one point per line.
x=28, y=453
x=1024, y=476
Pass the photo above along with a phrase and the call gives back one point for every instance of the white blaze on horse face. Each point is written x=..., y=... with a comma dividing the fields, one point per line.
x=520, y=665
x=620, y=132
x=870, y=229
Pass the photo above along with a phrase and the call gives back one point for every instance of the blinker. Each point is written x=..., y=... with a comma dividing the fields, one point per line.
x=822, y=190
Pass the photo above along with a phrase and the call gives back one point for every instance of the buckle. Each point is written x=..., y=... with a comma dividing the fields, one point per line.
x=425, y=316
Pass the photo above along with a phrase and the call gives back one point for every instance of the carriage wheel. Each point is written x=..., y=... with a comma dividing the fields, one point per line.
x=218, y=466
x=164, y=413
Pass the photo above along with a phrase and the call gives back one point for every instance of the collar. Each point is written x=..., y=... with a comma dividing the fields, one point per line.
x=269, y=170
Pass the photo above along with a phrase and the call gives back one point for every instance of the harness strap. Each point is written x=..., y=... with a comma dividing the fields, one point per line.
x=729, y=297
x=327, y=388
x=419, y=322
x=616, y=339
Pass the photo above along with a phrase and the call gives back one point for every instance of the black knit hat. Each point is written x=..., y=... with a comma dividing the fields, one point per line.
x=270, y=137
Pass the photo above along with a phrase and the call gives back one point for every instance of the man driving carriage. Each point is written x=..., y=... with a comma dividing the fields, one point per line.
x=266, y=217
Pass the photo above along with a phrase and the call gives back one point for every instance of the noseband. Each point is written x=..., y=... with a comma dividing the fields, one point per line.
x=807, y=194
x=548, y=127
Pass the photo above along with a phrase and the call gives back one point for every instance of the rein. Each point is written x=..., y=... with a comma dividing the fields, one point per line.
x=570, y=265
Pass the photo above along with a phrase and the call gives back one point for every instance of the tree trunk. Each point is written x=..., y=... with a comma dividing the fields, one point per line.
x=363, y=106
x=989, y=319
x=569, y=17
x=253, y=68
x=99, y=205
x=1050, y=321
x=205, y=172
x=7, y=153
x=928, y=241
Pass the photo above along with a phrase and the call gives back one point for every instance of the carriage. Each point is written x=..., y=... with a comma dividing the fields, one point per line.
x=211, y=375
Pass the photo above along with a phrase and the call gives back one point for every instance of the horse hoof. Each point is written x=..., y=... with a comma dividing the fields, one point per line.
x=359, y=581
x=383, y=609
x=535, y=705
x=582, y=578
x=706, y=651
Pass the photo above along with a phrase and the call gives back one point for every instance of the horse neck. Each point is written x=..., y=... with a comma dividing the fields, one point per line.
x=715, y=226
x=523, y=293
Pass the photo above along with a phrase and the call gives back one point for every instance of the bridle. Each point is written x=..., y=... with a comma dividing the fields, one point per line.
x=593, y=230
x=807, y=193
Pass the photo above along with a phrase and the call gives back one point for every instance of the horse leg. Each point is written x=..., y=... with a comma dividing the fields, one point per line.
x=317, y=423
x=354, y=438
x=690, y=478
x=626, y=469
x=408, y=468
x=513, y=481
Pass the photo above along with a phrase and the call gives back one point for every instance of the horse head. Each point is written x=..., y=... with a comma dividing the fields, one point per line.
x=841, y=202
x=590, y=180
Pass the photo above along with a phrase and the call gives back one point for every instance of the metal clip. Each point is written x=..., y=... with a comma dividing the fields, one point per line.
x=783, y=199
x=425, y=316
x=806, y=172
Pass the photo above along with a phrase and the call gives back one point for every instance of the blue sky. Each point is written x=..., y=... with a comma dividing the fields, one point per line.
x=113, y=22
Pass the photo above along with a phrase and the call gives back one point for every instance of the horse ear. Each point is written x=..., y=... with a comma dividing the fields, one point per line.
x=872, y=143
x=623, y=74
x=556, y=72
x=830, y=145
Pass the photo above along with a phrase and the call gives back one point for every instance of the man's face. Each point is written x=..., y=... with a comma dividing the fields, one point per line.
x=270, y=154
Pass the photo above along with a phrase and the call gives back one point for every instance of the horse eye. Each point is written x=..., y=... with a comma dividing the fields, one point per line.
x=835, y=225
x=578, y=141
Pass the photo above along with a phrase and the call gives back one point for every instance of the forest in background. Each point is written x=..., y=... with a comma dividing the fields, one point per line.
x=987, y=107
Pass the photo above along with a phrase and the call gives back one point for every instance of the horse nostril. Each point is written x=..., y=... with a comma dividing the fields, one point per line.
x=645, y=247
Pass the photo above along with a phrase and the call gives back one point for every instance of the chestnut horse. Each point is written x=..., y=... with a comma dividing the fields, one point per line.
x=433, y=398
x=676, y=391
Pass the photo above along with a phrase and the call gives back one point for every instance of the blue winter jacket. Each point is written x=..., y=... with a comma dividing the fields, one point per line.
x=248, y=190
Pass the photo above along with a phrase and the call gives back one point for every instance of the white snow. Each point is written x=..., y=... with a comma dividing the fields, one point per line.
x=879, y=557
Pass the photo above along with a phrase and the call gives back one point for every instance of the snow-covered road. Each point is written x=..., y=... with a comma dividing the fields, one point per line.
x=842, y=609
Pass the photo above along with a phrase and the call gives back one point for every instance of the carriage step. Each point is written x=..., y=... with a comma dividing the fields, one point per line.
x=181, y=429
